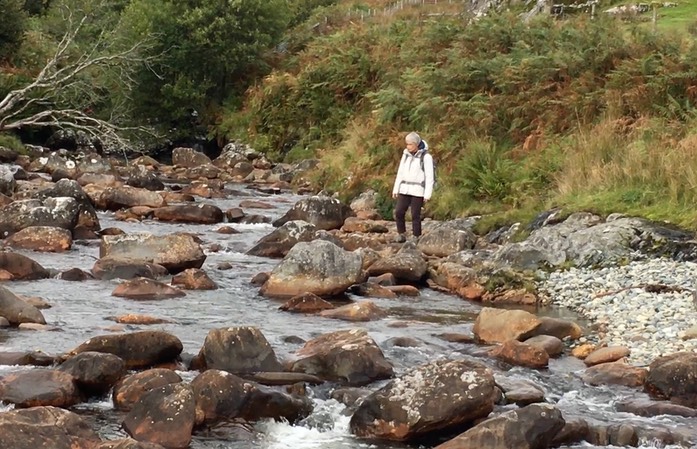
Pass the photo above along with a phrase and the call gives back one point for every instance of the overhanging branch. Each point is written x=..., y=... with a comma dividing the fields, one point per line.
x=60, y=86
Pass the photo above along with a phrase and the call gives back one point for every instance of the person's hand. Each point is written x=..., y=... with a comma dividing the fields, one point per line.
x=394, y=196
x=426, y=200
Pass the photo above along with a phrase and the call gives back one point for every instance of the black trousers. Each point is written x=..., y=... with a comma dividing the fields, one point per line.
x=404, y=202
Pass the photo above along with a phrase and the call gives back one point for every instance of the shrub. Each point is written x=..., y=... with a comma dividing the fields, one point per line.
x=12, y=142
x=12, y=27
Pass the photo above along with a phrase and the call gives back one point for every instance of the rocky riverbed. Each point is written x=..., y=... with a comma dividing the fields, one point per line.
x=648, y=306
x=209, y=304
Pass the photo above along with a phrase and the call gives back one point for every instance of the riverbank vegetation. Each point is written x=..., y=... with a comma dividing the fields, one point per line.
x=585, y=113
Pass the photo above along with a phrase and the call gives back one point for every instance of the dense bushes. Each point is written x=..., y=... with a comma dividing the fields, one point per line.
x=505, y=105
x=12, y=27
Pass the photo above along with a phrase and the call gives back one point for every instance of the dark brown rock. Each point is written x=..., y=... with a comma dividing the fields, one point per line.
x=49, y=427
x=531, y=427
x=18, y=311
x=306, y=303
x=129, y=389
x=219, y=395
x=521, y=354
x=194, y=279
x=94, y=372
x=350, y=357
x=144, y=289
x=39, y=387
x=164, y=415
x=190, y=213
x=21, y=267
x=36, y=358
x=674, y=377
x=615, y=373
x=42, y=238
x=138, y=349
x=123, y=268
x=239, y=350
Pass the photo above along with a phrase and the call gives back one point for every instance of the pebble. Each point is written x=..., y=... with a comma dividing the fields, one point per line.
x=649, y=324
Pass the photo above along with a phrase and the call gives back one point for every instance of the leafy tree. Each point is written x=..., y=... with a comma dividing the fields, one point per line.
x=12, y=27
x=209, y=52
x=36, y=7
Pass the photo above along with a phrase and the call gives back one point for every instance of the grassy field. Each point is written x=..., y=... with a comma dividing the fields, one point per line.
x=677, y=18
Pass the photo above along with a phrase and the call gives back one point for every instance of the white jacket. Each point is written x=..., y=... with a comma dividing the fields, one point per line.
x=411, y=179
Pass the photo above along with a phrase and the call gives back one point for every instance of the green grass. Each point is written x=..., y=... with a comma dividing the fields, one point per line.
x=677, y=18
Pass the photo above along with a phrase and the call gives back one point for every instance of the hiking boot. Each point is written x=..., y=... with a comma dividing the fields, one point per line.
x=401, y=238
x=413, y=239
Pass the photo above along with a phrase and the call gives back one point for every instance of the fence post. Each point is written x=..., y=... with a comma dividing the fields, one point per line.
x=654, y=19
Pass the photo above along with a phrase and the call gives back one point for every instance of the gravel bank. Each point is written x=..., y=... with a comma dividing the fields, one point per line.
x=647, y=306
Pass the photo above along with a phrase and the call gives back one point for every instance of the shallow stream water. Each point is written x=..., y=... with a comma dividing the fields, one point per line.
x=80, y=311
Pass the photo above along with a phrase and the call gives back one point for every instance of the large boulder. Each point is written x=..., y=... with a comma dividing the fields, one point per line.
x=176, y=252
x=189, y=158
x=447, y=239
x=164, y=416
x=500, y=325
x=137, y=349
x=322, y=211
x=115, y=198
x=452, y=276
x=282, y=239
x=585, y=240
x=145, y=289
x=22, y=267
x=49, y=427
x=220, y=396
x=521, y=354
x=39, y=387
x=408, y=264
x=17, y=311
x=531, y=427
x=239, y=350
x=61, y=212
x=265, y=402
x=350, y=357
x=190, y=213
x=56, y=161
x=142, y=178
x=128, y=390
x=110, y=267
x=318, y=267
x=94, y=372
x=94, y=163
x=7, y=155
x=430, y=399
x=87, y=214
x=615, y=373
x=42, y=238
x=674, y=377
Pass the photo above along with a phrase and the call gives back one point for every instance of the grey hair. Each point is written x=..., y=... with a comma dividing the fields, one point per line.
x=413, y=137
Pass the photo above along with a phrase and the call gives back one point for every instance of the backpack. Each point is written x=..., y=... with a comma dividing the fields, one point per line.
x=422, y=145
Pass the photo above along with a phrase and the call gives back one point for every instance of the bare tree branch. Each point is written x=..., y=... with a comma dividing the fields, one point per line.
x=50, y=99
x=108, y=133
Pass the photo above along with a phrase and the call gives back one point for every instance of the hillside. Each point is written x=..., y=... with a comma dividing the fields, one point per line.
x=583, y=113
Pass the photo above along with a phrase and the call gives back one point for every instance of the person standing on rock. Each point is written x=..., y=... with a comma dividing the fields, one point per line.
x=413, y=185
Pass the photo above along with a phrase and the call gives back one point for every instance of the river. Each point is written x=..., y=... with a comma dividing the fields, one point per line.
x=80, y=311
